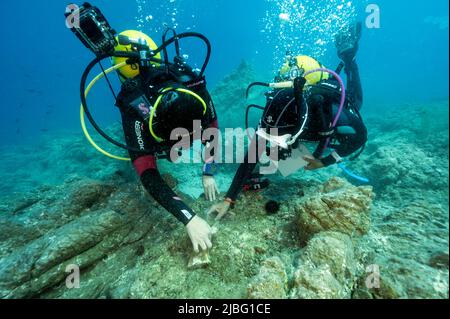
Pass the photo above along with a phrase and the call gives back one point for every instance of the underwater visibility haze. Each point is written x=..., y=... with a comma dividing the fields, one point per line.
x=77, y=224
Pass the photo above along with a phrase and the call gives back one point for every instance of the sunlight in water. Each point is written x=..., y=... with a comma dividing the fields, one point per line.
x=167, y=14
x=305, y=27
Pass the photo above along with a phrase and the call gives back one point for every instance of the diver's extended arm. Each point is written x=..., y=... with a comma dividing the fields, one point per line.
x=242, y=174
x=210, y=143
x=245, y=169
x=165, y=196
x=145, y=164
x=354, y=87
x=351, y=133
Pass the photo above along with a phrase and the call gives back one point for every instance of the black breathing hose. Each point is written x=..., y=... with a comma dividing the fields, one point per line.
x=177, y=43
x=177, y=47
x=248, y=111
x=255, y=84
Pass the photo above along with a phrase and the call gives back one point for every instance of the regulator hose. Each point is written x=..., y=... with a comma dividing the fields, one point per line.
x=248, y=111
x=86, y=108
x=255, y=84
x=82, y=113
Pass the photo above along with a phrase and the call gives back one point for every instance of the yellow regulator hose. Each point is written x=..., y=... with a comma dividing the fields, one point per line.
x=82, y=114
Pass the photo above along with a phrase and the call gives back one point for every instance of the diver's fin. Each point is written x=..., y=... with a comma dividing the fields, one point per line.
x=347, y=41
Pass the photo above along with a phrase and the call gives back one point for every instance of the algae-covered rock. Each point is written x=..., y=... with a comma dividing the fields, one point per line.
x=410, y=249
x=337, y=251
x=32, y=268
x=46, y=210
x=77, y=223
x=340, y=207
x=439, y=260
x=229, y=94
x=199, y=261
x=406, y=158
x=317, y=283
x=334, y=184
x=400, y=169
x=327, y=268
x=388, y=288
x=271, y=281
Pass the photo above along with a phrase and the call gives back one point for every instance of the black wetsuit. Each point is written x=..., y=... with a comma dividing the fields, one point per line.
x=135, y=113
x=349, y=136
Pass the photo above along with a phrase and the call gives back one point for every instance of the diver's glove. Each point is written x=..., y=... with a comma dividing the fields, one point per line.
x=299, y=84
x=222, y=209
x=347, y=42
x=200, y=234
x=210, y=187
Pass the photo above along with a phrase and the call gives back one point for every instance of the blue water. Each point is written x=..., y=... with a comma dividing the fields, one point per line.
x=405, y=60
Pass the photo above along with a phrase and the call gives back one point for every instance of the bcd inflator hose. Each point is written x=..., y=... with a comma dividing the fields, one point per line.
x=353, y=175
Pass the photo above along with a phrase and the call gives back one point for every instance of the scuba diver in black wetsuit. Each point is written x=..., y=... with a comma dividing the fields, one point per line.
x=177, y=108
x=308, y=106
x=165, y=106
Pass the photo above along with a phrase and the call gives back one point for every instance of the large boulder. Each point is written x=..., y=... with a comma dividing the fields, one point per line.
x=327, y=268
x=410, y=248
x=271, y=281
x=41, y=263
x=338, y=206
x=78, y=223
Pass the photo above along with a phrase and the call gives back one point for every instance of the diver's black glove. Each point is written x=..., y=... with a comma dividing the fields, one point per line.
x=299, y=85
x=347, y=42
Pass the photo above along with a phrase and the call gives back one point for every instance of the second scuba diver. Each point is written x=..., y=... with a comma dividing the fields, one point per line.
x=314, y=108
